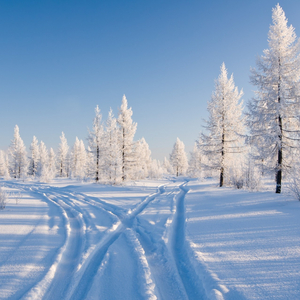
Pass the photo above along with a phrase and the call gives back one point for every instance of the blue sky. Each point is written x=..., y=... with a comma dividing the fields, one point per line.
x=59, y=59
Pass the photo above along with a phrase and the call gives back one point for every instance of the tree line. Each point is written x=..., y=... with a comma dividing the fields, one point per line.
x=239, y=147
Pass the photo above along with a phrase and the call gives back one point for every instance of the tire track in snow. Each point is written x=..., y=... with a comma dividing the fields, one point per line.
x=90, y=269
x=163, y=271
x=168, y=283
x=59, y=278
x=56, y=282
x=193, y=286
x=144, y=269
x=70, y=257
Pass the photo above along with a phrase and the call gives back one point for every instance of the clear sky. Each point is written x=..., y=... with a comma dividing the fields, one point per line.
x=59, y=59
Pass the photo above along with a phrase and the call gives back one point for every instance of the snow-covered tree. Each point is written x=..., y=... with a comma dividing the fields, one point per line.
x=74, y=158
x=155, y=169
x=43, y=163
x=62, y=156
x=34, y=157
x=143, y=159
x=4, y=165
x=225, y=125
x=127, y=132
x=52, y=164
x=18, y=162
x=78, y=159
x=194, y=169
x=178, y=158
x=90, y=164
x=167, y=167
x=96, y=146
x=275, y=110
x=113, y=158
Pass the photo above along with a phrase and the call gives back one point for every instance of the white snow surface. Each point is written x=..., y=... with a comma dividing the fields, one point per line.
x=174, y=238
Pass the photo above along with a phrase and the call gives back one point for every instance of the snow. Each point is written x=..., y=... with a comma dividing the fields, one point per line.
x=174, y=238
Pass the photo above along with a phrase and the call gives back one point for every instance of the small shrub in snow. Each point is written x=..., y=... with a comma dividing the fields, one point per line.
x=3, y=199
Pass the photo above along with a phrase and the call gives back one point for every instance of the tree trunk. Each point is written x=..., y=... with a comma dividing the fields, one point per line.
x=123, y=156
x=221, y=177
x=97, y=164
x=222, y=158
x=279, y=158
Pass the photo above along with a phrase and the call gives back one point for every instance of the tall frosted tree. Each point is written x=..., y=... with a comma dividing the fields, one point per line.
x=143, y=161
x=18, y=162
x=34, y=157
x=167, y=167
x=113, y=158
x=78, y=159
x=127, y=131
x=178, y=158
x=96, y=146
x=52, y=163
x=194, y=169
x=4, y=165
x=90, y=163
x=225, y=125
x=62, y=156
x=274, y=112
x=43, y=164
x=155, y=170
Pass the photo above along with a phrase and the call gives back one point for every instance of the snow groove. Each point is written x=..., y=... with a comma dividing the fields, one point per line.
x=193, y=286
x=163, y=270
x=88, y=271
x=149, y=292
x=39, y=290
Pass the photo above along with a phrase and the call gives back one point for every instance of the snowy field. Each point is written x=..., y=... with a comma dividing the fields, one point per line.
x=165, y=239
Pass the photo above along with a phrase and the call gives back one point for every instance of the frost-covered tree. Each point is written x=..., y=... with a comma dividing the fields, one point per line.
x=225, y=125
x=167, y=167
x=127, y=131
x=62, y=156
x=17, y=154
x=194, y=169
x=43, y=162
x=178, y=158
x=4, y=165
x=275, y=110
x=143, y=161
x=155, y=169
x=52, y=164
x=96, y=146
x=90, y=164
x=113, y=155
x=78, y=159
x=34, y=157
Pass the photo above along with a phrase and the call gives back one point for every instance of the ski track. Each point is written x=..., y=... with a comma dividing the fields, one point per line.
x=56, y=282
x=164, y=268
x=95, y=259
x=71, y=254
x=193, y=286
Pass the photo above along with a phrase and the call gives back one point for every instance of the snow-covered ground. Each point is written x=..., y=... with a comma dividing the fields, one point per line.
x=163, y=239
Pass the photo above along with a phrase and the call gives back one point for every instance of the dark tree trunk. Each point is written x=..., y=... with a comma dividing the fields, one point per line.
x=221, y=177
x=279, y=160
x=279, y=157
x=222, y=160
x=123, y=156
x=97, y=165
